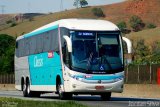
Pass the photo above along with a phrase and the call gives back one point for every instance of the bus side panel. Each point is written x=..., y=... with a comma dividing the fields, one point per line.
x=21, y=70
x=44, y=68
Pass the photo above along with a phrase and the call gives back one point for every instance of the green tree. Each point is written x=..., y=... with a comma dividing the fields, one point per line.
x=136, y=23
x=81, y=3
x=5, y=42
x=142, y=52
x=141, y=49
x=9, y=21
x=155, y=52
x=7, y=47
x=76, y=3
x=13, y=24
x=98, y=12
x=122, y=25
x=8, y=60
x=150, y=26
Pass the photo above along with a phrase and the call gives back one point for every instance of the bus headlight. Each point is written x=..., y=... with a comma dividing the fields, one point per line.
x=76, y=77
x=118, y=79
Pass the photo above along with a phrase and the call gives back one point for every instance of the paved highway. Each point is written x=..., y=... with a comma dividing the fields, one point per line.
x=91, y=101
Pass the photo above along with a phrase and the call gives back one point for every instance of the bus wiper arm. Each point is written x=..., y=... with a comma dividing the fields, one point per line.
x=107, y=62
x=89, y=60
x=80, y=68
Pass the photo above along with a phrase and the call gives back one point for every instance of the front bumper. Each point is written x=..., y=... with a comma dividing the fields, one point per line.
x=76, y=86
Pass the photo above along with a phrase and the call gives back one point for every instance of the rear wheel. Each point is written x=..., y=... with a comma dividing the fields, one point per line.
x=106, y=96
x=27, y=92
x=24, y=89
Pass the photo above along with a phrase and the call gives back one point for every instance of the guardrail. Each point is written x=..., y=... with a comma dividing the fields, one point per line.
x=7, y=79
x=141, y=74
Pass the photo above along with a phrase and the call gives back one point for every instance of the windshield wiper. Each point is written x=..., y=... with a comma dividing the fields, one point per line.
x=106, y=61
x=82, y=61
x=79, y=69
x=89, y=60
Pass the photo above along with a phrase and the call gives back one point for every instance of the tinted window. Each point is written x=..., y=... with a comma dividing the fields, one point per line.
x=43, y=42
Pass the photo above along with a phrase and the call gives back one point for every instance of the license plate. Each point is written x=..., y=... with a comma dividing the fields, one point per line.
x=99, y=87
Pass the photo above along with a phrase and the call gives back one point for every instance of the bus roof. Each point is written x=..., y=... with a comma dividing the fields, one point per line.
x=76, y=24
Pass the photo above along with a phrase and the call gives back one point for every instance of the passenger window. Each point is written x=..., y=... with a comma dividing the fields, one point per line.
x=54, y=46
x=17, y=44
x=39, y=44
x=27, y=46
x=33, y=45
x=21, y=48
x=47, y=42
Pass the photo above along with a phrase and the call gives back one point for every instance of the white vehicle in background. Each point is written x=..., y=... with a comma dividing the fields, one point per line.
x=70, y=56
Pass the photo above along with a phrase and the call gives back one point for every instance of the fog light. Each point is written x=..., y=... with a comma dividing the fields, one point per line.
x=74, y=85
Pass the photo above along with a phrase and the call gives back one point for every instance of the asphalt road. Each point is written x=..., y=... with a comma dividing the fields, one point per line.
x=91, y=101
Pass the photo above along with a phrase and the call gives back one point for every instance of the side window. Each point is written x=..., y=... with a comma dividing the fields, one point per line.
x=21, y=48
x=54, y=45
x=16, y=44
x=33, y=45
x=17, y=49
x=39, y=43
x=47, y=41
x=26, y=46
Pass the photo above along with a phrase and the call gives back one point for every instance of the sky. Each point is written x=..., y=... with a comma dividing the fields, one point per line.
x=43, y=6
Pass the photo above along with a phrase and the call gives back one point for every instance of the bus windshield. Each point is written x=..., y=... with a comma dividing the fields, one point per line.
x=96, y=52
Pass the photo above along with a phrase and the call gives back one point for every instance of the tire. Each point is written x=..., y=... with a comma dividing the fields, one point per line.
x=28, y=88
x=106, y=96
x=24, y=89
x=35, y=94
x=63, y=95
x=27, y=92
x=68, y=96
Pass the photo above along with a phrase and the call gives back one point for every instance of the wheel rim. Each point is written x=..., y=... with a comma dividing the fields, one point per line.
x=24, y=86
x=60, y=90
x=28, y=88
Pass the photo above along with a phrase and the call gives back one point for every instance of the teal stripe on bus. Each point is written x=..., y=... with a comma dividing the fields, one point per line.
x=100, y=77
x=41, y=31
x=44, y=70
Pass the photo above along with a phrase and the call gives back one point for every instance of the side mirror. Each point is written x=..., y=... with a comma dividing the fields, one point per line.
x=129, y=49
x=69, y=43
x=129, y=44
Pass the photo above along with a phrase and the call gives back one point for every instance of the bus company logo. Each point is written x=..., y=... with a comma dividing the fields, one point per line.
x=38, y=62
x=99, y=81
x=50, y=54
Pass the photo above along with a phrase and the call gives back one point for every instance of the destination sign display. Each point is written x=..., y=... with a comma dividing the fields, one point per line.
x=85, y=34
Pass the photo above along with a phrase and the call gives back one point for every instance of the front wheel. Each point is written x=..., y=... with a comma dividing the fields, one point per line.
x=106, y=96
x=63, y=95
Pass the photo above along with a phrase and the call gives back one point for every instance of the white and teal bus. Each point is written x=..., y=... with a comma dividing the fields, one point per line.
x=70, y=57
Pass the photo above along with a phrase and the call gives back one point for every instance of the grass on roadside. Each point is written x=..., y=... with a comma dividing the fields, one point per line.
x=149, y=35
x=15, y=102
